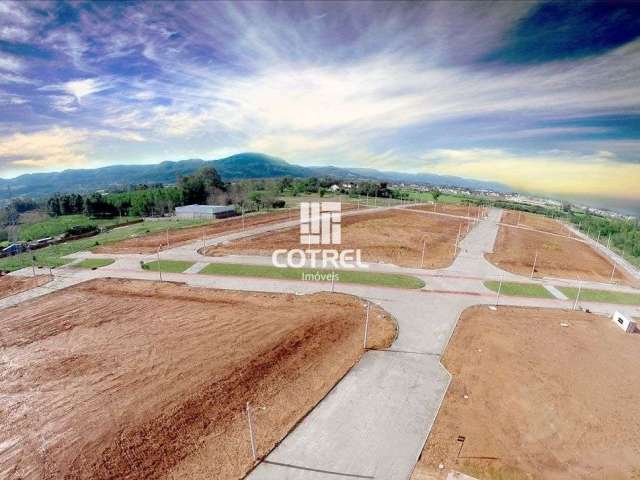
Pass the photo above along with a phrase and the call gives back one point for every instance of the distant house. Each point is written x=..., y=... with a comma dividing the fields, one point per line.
x=334, y=188
x=205, y=211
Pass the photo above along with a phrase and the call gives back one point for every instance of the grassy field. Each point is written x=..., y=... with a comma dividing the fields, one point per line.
x=94, y=263
x=606, y=296
x=311, y=274
x=515, y=289
x=169, y=266
x=58, y=225
x=52, y=256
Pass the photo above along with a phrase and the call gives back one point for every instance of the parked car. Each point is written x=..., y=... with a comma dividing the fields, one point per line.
x=14, y=249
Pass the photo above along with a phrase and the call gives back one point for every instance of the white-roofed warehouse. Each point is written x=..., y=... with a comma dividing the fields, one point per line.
x=205, y=211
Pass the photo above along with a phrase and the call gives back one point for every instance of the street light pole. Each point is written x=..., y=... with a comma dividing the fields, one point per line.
x=535, y=260
x=578, y=295
x=159, y=269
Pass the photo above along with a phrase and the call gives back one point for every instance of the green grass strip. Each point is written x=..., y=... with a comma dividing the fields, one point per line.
x=515, y=289
x=52, y=256
x=94, y=263
x=169, y=266
x=313, y=274
x=607, y=296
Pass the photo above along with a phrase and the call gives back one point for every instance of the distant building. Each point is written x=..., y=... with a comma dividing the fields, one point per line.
x=205, y=211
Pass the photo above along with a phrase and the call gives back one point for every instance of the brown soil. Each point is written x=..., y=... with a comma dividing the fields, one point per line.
x=535, y=222
x=132, y=379
x=543, y=401
x=10, y=285
x=450, y=208
x=149, y=243
x=558, y=256
x=393, y=236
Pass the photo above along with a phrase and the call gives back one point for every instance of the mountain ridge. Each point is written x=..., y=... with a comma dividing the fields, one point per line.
x=235, y=167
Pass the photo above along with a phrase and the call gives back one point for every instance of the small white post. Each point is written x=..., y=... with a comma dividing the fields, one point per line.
x=535, y=260
x=499, y=290
x=159, y=269
x=575, y=304
x=252, y=434
x=333, y=280
x=424, y=246
x=366, y=326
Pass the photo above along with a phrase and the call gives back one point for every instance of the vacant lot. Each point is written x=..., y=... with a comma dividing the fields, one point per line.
x=533, y=221
x=150, y=243
x=10, y=285
x=393, y=236
x=451, y=209
x=150, y=380
x=539, y=400
x=558, y=256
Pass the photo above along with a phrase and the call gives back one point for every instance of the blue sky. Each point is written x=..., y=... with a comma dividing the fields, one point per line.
x=542, y=96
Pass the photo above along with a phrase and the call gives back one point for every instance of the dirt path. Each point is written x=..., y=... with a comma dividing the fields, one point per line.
x=538, y=400
x=392, y=236
x=149, y=243
x=135, y=379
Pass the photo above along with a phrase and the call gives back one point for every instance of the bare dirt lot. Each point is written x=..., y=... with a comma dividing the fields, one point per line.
x=10, y=285
x=450, y=208
x=536, y=400
x=149, y=243
x=558, y=256
x=533, y=221
x=132, y=379
x=392, y=236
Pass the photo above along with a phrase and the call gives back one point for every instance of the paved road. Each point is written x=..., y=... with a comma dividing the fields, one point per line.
x=375, y=421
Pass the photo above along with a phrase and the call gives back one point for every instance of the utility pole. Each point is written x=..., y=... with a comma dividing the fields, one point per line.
x=252, y=433
x=159, y=269
x=424, y=246
x=366, y=325
x=455, y=252
x=499, y=290
x=578, y=295
x=613, y=272
x=535, y=260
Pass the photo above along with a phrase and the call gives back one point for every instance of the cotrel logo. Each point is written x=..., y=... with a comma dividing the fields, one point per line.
x=320, y=224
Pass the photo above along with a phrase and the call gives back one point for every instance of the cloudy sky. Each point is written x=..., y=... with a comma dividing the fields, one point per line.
x=544, y=97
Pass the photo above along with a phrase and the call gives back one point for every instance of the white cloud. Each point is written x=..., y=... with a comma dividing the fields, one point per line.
x=82, y=88
x=73, y=92
x=56, y=148
x=11, y=64
x=46, y=149
x=14, y=34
